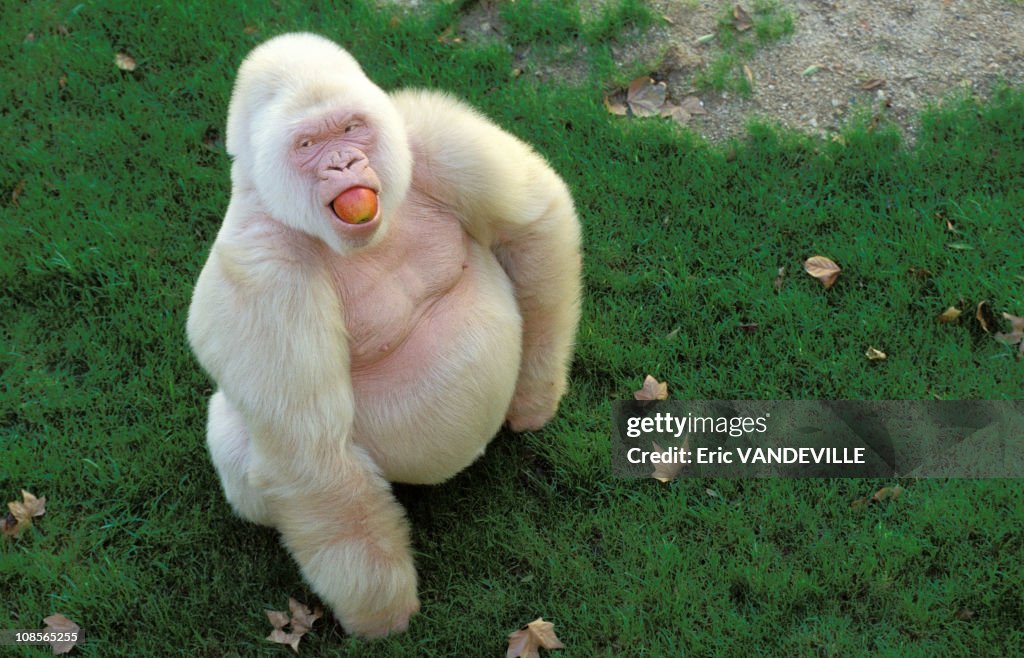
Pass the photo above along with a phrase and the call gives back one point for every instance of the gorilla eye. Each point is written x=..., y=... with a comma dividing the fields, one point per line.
x=349, y=128
x=306, y=142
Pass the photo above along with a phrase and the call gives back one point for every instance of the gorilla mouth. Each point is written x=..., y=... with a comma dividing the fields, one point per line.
x=356, y=205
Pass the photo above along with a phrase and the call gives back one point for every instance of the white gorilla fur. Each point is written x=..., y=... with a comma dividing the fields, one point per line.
x=350, y=356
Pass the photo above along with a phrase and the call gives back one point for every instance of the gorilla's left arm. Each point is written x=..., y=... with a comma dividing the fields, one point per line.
x=511, y=201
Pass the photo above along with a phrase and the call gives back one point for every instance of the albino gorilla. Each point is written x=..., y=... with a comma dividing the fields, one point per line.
x=395, y=277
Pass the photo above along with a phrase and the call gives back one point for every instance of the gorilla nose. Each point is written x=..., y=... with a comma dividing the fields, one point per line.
x=345, y=161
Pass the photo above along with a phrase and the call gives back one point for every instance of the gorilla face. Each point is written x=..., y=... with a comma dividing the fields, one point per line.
x=322, y=145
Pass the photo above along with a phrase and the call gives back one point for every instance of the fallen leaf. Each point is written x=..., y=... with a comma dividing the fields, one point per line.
x=249, y=29
x=874, y=354
x=811, y=70
x=1016, y=335
x=615, y=107
x=645, y=96
x=749, y=327
x=706, y=38
x=693, y=105
x=302, y=617
x=21, y=513
x=301, y=621
x=950, y=314
x=964, y=614
x=9, y=526
x=950, y=228
x=984, y=316
x=61, y=624
x=675, y=113
x=16, y=192
x=919, y=273
x=859, y=503
x=277, y=619
x=872, y=84
x=887, y=493
x=526, y=641
x=823, y=269
x=777, y=284
x=62, y=82
x=652, y=390
x=668, y=472
x=277, y=636
x=960, y=246
x=741, y=19
x=124, y=62
x=748, y=74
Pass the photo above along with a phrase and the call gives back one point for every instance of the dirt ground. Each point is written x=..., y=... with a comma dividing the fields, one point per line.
x=923, y=50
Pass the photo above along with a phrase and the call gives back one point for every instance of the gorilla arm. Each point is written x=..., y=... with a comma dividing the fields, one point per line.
x=267, y=327
x=511, y=201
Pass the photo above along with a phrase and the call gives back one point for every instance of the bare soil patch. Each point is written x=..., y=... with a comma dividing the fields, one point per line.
x=920, y=50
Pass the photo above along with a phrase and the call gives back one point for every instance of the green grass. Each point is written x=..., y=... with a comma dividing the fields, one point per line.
x=122, y=183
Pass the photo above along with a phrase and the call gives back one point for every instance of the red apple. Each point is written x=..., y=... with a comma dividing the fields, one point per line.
x=356, y=205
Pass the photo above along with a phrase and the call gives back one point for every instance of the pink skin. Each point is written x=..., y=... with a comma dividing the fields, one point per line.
x=336, y=150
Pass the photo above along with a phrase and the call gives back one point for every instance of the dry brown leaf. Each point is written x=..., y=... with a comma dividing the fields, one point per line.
x=741, y=19
x=823, y=269
x=874, y=354
x=984, y=316
x=277, y=618
x=675, y=113
x=668, y=472
x=964, y=614
x=249, y=29
x=887, y=493
x=748, y=73
x=277, y=636
x=950, y=227
x=872, y=84
x=652, y=390
x=61, y=624
x=525, y=642
x=62, y=82
x=124, y=61
x=22, y=513
x=859, y=503
x=645, y=96
x=16, y=192
x=693, y=106
x=301, y=621
x=778, y=279
x=1016, y=335
x=950, y=314
x=9, y=525
x=302, y=617
x=615, y=107
x=750, y=327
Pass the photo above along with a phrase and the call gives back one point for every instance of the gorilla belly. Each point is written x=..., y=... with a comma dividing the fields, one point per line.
x=433, y=374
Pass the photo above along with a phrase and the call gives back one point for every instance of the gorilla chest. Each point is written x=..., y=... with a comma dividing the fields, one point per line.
x=400, y=295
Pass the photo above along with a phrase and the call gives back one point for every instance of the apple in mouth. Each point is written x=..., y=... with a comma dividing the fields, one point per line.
x=356, y=205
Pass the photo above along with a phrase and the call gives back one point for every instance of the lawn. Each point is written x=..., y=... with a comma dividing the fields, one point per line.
x=113, y=189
